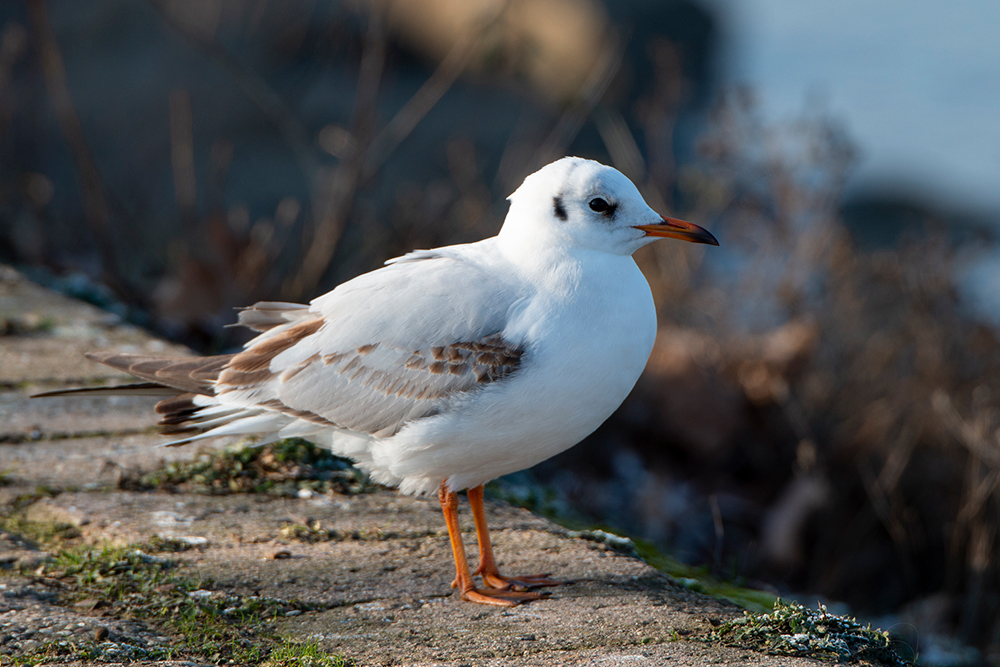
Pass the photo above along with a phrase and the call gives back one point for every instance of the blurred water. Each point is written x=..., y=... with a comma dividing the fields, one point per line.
x=916, y=81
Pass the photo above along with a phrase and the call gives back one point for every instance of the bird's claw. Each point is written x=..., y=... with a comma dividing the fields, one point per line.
x=499, y=598
x=498, y=582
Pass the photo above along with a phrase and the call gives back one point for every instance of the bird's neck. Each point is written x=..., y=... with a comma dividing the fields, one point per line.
x=530, y=243
x=560, y=268
x=533, y=253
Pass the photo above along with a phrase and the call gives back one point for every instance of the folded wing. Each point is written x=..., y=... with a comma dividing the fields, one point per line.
x=382, y=350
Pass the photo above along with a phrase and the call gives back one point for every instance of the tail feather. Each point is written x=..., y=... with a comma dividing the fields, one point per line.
x=196, y=375
x=187, y=383
x=176, y=410
x=188, y=412
x=189, y=407
x=244, y=423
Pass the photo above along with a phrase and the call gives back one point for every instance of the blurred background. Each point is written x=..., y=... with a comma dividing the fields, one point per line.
x=819, y=416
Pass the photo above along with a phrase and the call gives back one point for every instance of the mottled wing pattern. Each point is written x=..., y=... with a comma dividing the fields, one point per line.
x=375, y=388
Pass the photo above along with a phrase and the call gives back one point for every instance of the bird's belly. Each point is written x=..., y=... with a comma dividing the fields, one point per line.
x=568, y=386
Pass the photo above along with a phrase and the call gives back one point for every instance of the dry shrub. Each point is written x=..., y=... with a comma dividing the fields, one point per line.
x=836, y=407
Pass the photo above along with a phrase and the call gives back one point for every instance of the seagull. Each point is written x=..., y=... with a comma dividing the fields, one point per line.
x=447, y=368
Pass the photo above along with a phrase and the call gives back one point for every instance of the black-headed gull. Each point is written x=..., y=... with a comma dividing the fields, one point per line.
x=449, y=367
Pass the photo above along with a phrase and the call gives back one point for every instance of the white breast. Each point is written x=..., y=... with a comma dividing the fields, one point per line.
x=587, y=340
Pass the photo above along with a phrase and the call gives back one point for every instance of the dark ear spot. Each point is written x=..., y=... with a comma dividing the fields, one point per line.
x=559, y=209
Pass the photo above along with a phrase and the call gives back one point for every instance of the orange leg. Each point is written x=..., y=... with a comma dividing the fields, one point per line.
x=463, y=578
x=487, y=563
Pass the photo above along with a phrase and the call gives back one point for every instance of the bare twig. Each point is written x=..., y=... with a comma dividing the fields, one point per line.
x=220, y=158
x=969, y=434
x=257, y=91
x=334, y=195
x=182, y=158
x=720, y=530
x=974, y=529
x=368, y=153
x=13, y=43
x=54, y=73
x=421, y=103
x=660, y=120
x=572, y=120
x=888, y=514
x=621, y=144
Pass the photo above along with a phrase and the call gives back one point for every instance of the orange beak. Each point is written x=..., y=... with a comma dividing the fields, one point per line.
x=672, y=228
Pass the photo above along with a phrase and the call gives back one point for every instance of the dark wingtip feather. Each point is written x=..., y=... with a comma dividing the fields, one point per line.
x=137, y=389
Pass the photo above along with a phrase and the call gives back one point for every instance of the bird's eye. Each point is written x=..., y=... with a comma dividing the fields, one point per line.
x=598, y=205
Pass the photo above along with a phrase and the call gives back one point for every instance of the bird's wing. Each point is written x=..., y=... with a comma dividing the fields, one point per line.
x=384, y=349
x=266, y=315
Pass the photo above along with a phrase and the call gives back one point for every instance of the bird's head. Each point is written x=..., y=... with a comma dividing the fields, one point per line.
x=587, y=204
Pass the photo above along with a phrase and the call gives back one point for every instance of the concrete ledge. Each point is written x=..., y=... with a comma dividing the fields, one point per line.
x=379, y=577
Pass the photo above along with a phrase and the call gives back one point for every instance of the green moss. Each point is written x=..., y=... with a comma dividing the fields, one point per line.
x=40, y=533
x=701, y=580
x=170, y=544
x=134, y=582
x=791, y=629
x=284, y=468
x=292, y=653
x=66, y=650
x=129, y=582
x=26, y=324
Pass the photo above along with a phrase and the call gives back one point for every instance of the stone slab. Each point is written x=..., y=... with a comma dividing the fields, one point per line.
x=79, y=462
x=36, y=361
x=385, y=583
x=381, y=575
x=23, y=418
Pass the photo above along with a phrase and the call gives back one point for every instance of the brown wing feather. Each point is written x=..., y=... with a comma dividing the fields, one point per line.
x=195, y=375
x=178, y=415
x=253, y=365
